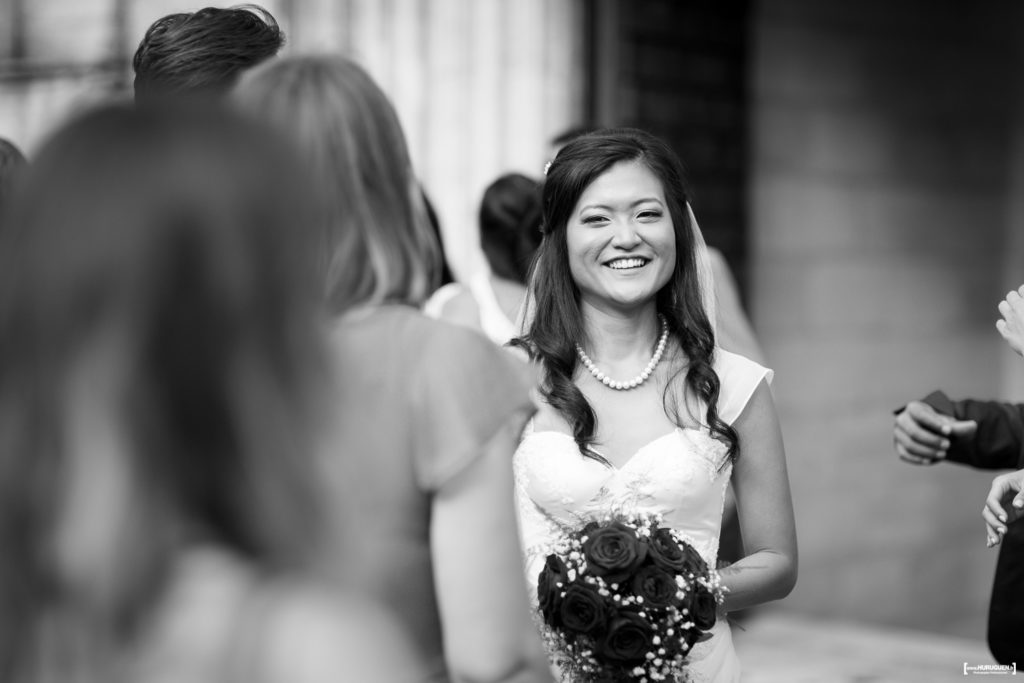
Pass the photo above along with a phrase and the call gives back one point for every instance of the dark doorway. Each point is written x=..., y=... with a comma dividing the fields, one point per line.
x=678, y=68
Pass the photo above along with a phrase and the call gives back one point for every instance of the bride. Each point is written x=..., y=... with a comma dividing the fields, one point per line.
x=642, y=412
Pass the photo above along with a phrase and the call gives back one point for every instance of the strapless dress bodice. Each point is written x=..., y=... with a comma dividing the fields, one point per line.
x=681, y=475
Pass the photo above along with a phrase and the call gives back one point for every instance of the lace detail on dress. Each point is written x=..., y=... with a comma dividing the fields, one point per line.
x=538, y=533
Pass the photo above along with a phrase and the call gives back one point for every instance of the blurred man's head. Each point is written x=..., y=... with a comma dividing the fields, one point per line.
x=203, y=53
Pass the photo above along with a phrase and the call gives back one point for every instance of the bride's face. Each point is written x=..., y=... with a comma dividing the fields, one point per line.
x=620, y=238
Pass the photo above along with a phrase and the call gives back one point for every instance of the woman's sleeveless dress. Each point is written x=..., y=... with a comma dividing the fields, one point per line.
x=421, y=399
x=493, y=321
x=683, y=475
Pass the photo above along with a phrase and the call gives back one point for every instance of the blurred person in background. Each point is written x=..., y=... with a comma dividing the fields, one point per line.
x=12, y=166
x=160, y=395
x=202, y=53
x=986, y=435
x=622, y=289
x=430, y=413
x=435, y=225
x=509, y=221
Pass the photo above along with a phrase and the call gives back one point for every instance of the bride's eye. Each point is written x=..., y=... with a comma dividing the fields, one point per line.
x=590, y=220
x=649, y=214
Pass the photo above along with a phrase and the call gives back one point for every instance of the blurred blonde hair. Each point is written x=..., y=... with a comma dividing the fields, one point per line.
x=378, y=245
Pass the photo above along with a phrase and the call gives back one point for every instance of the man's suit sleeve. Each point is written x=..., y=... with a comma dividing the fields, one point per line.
x=999, y=441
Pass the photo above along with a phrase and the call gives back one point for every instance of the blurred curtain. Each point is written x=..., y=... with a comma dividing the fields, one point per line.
x=480, y=86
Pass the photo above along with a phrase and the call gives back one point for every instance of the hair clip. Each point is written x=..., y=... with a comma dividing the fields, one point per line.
x=547, y=166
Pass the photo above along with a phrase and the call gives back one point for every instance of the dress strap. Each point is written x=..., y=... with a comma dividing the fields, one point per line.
x=493, y=320
x=437, y=301
x=739, y=377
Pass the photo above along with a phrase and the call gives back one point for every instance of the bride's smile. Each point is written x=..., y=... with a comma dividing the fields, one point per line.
x=620, y=237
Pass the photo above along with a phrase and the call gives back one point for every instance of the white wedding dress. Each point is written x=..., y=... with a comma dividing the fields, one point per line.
x=683, y=475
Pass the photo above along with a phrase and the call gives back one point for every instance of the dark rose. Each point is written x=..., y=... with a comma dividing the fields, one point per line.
x=582, y=609
x=665, y=552
x=693, y=562
x=673, y=645
x=548, y=592
x=656, y=586
x=628, y=640
x=691, y=637
x=614, y=552
x=703, y=607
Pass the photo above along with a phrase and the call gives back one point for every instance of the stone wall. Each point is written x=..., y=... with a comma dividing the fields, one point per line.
x=880, y=222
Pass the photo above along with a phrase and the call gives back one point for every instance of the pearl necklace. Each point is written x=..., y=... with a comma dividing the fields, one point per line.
x=639, y=379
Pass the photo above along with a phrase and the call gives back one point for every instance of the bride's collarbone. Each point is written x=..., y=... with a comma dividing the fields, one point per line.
x=619, y=440
x=643, y=403
x=627, y=421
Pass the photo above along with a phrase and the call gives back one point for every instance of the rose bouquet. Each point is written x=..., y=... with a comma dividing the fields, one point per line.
x=625, y=599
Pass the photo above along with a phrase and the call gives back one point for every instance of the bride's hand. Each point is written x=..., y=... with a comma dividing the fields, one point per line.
x=1011, y=326
x=1004, y=505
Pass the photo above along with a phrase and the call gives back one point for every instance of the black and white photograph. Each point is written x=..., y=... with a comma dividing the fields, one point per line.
x=511, y=341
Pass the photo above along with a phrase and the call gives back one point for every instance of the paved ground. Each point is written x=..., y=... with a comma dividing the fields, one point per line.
x=789, y=649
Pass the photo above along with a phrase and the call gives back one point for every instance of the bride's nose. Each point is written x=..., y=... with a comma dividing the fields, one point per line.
x=624, y=235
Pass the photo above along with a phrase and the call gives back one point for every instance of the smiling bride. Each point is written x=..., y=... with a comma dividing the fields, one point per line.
x=643, y=414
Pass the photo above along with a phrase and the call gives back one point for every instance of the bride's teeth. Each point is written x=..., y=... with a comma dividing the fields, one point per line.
x=622, y=264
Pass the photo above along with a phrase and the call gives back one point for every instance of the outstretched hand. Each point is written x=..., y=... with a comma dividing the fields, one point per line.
x=921, y=436
x=1011, y=326
x=1004, y=505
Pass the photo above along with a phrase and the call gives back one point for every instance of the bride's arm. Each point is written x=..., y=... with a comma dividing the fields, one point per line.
x=768, y=570
x=478, y=571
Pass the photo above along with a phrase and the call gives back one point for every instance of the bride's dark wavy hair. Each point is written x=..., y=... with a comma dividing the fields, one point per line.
x=557, y=322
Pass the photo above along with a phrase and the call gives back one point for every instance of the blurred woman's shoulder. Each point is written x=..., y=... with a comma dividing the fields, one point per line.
x=405, y=329
x=447, y=385
x=462, y=389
